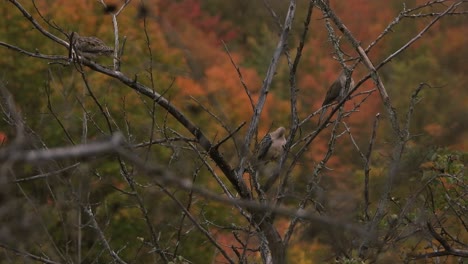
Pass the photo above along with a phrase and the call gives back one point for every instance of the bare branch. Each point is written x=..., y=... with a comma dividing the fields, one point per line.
x=246, y=89
x=60, y=153
x=163, y=102
x=101, y=235
x=420, y=34
x=48, y=174
x=37, y=25
x=293, y=104
x=58, y=58
x=449, y=251
x=28, y=255
x=367, y=165
x=201, y=228
x=266, y=84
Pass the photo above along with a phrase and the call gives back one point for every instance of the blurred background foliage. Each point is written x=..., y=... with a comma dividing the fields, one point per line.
x=178, y=48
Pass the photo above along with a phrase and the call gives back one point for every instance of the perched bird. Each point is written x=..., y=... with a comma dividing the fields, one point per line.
x=335, y=92
x=272, y=145
x=90, y=47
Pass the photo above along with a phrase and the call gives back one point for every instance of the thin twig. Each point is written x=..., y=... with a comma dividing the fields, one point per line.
x=199, y=226
x=28, y=255
x=101, y=235
x=48, y=174
x=241, y=79
x=253, y=126
x=367, y=165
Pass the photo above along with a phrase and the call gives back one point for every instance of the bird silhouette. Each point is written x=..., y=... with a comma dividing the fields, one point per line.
x=272, y=145
x=335, y=93
x=90, y=47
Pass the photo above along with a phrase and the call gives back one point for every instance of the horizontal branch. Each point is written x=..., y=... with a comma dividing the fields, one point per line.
x=11, y=154
x=28, y=255
x=34, y=54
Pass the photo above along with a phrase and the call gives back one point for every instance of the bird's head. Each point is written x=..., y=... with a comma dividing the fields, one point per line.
x=278, y=133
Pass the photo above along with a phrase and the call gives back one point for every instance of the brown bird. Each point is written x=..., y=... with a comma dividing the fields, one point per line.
x=272, y=145
x=335, y=93
x=90, y=47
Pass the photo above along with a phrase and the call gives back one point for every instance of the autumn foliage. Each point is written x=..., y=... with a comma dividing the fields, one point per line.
x=209, y=60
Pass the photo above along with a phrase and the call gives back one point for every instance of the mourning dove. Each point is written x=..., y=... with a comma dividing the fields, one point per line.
x=335, y=92
x=90, y=47
x=272, y=145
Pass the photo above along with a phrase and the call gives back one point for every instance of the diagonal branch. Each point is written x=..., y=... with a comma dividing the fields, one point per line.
x=203, y=230
x=293, y=104
x=101, y=235
x=37, y=25
x=267, y=83
x=28, y=255
x=214, y=154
